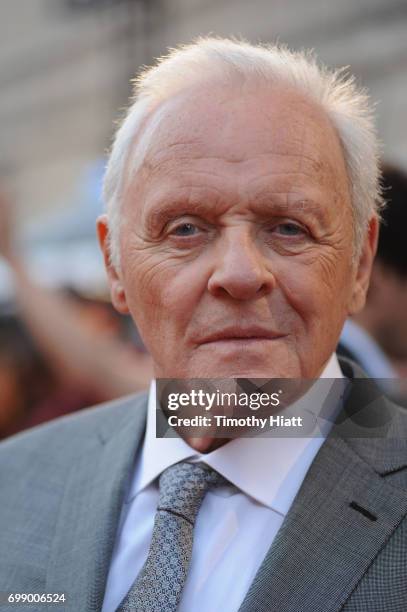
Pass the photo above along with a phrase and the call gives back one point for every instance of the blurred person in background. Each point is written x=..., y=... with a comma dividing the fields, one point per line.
x=376, y=337
x=31, y=392
x=86, y=357
x=23, y=376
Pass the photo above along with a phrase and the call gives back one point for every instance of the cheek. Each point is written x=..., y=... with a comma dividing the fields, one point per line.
x=317, y=289
x=162, y=294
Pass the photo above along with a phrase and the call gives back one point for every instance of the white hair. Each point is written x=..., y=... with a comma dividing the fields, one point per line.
x=207, y=59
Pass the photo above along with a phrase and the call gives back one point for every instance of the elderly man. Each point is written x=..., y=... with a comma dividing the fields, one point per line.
x=242, y=219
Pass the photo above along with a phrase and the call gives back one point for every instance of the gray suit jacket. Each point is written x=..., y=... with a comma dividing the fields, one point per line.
x=342, y=546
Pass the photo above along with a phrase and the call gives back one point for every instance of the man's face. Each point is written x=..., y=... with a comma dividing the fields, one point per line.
x=237, y=239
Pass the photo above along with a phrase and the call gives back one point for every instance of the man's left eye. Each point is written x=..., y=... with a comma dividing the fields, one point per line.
x=289, y=229
x=185, y=229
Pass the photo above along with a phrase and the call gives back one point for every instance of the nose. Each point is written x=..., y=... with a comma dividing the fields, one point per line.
x=241, y=269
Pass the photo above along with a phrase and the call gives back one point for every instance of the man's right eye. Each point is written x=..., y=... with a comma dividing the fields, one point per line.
x=185, y=229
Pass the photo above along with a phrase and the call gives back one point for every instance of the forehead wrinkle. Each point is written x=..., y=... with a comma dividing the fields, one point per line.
x=166, y=158
x=167, y=161
x=161, y=154
x=167, y=151
x=160, y=118
x=157, y=154
x=280, y=180
x=270, y=175
x=165, y=168
x=282, y=206
x=139, y=155
x=153, y=155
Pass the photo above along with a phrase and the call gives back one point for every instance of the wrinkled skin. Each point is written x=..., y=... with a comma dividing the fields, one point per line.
x=238, y=217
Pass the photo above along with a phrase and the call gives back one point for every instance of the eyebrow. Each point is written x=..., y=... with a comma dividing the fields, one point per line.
x=162, y=211
x=287, y=203
x=299, y=204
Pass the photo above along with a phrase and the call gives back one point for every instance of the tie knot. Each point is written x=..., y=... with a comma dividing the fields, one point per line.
x=183, y=486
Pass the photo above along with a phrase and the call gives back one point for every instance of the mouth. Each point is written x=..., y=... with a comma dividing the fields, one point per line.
x=239, y=335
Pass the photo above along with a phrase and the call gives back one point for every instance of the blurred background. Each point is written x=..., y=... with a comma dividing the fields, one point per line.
x=65, y=70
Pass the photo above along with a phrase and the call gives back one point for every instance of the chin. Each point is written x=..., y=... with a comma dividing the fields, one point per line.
x=243, y=360
x=248, y=368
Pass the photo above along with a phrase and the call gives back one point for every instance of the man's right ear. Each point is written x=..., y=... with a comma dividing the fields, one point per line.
x=117, y=292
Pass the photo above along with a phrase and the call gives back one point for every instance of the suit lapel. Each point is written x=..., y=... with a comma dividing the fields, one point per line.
x=90, y=510
x=344, y=513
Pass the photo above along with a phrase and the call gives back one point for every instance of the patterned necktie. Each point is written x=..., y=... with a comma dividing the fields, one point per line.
x=159, y=584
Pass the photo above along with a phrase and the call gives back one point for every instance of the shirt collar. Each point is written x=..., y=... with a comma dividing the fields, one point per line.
x=257, y=466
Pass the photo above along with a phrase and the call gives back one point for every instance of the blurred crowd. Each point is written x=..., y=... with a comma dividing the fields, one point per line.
x=376, y=337
x=62, y=350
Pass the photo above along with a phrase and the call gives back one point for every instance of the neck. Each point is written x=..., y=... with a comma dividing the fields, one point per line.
x=206, y=444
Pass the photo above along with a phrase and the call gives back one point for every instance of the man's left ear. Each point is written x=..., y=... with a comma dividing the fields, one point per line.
x=364, y=267
x=117, y=292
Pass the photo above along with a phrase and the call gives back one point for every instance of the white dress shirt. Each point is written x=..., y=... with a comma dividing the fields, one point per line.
x=236, y=524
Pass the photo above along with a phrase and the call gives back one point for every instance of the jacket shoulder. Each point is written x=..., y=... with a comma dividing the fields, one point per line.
x=67, y=436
